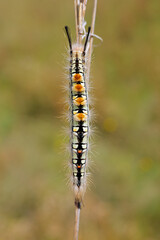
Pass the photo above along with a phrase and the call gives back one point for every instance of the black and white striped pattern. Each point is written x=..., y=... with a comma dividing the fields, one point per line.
x=79, y=116
x=80, y=121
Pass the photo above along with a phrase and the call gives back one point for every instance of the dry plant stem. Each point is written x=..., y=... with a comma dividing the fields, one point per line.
x=84, y=7
x=76, y=17
x=91, y=39
x=77, y=217
x=80, y=10
x=80, y=27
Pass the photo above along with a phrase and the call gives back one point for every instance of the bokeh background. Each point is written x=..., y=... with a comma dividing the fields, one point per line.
x=123, y=200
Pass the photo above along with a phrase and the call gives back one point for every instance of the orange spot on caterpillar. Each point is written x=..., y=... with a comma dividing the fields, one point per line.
x=80, y=117
x=79, y=151
x=78, y=88
x=80, y=101
x=77, y=77
x=78, y=166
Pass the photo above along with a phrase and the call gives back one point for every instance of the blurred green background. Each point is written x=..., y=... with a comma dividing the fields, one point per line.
x=123, y=199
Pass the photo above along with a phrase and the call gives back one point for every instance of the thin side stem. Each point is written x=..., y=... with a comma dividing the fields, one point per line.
x=91, y=39
x=76, y=225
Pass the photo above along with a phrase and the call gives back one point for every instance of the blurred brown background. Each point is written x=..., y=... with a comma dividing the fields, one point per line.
x=123, y=202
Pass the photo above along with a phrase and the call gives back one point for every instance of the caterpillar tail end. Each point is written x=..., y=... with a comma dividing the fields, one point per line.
x=79, y=194
x=78, y=204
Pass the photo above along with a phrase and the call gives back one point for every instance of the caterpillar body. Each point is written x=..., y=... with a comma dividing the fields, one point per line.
x=79, y=117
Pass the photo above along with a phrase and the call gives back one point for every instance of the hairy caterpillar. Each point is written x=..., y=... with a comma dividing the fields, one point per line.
x=79, y=116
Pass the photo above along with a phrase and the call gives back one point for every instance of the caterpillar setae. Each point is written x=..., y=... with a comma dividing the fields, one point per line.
x=79, y=116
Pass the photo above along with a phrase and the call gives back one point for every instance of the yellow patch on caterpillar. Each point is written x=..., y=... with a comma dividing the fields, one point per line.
x=85, y=129
x=74, y=112
x=80, y=116
x=80, y=101
x=75, y=129
x=78, y=88
x=77, y=77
